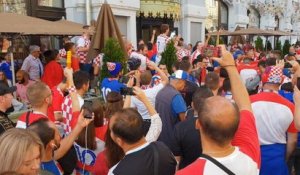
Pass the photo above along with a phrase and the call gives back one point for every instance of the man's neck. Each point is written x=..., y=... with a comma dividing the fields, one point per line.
x=214, y=150
x=47, y=156
x=127, y=148
x=80, y=92
x=26, y=82
x=215, y=92
x=42, y=110
x=271, y=87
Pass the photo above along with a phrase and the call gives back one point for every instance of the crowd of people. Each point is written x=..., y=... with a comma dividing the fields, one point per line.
x=234, y=112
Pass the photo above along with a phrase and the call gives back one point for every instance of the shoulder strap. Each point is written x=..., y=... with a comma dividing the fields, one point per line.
x=156, y=158
x=218, y=164
x=27, y=119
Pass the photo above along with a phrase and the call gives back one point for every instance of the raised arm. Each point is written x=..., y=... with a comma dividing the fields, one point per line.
x=239, y=91
x=164, y=78
x=72, y=90
x=153, y=36
x=156, y=123
x=69, y=140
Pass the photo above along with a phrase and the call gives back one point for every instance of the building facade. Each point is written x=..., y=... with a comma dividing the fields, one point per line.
x=190, y=18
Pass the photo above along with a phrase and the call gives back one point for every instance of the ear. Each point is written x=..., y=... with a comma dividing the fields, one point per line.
x=192, y=105
x=198, y=124
x=119, y=141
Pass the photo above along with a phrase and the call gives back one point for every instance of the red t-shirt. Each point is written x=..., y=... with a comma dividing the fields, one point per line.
x=101, y=166
x=152, y=52
x=244, y=160
x=75, y=64
x=57, y=100
x=33, y=116
x=53, y=74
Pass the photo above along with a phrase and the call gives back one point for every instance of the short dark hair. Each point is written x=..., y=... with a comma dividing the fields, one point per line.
x=185, y=58
x=80, y=78
x=128, y=125
x=85, y=27
x=141, y=47
x=262, y=63
x=215, y=130
x=146, y=77
x=185, y=65
x=43, y=130
x=50, y=55
x=226, y=85
x=212, y=80
x=150, y=46
x=196, y=61
x=164, y=28
x=68, y=46
x=223, y=73
x=200, y=95
x=271, y=62
x=201, y=57
x=175, y=64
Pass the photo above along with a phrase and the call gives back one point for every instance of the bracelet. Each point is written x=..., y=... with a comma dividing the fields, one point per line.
x=72, y=89
x=228, y=66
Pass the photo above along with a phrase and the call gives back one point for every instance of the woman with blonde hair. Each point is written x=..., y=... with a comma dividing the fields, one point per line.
x=21, y=152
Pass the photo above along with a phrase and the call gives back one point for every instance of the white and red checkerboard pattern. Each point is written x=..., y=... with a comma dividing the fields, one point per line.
x=98, y=60
x=67, y=113
x=63, y=53
x=275, y=75
x=182, y=53
x=83, y=55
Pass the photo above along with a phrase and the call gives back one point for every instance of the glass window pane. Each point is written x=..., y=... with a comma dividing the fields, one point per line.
x=51, y=3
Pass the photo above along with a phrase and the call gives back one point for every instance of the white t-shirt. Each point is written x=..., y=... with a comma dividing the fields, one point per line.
x=161, y=43
x=80, y=42
x=143, y=59
x=151, y=95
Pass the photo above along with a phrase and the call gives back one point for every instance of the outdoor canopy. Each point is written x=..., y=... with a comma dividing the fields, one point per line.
x=106, y=27
x=27, y=25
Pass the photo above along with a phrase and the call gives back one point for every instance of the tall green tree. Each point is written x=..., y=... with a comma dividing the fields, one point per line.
x=278, y=45
x=169, y=56
x=259, y=44
x=112, y=53
x=286, y=47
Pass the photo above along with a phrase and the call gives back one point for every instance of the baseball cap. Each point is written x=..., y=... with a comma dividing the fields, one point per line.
x=273, y=74
x=252, y=83
x=114, y=68
x=180, y=74
x=5, y=89
x=237, y=53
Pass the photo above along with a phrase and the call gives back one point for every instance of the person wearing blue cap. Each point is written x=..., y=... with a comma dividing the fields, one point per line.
x=171, y=107
x=112, y=83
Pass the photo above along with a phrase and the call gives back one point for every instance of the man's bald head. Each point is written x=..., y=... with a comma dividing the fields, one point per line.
x=219, y=119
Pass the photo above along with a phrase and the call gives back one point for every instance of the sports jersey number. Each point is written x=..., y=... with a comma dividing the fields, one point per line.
x=105, y=91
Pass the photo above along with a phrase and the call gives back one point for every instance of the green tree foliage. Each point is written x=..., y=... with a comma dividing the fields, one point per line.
x=259, y=44
x=169, y=56
x=112, y=53
x=278, y=45
x=269, y=46
x=286, y=47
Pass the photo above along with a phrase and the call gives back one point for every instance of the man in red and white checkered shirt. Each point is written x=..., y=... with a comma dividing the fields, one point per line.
x=81, y=82
x=83, y=45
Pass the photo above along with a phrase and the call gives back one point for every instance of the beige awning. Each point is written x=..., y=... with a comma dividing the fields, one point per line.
x=27, y=25
x=156, y=8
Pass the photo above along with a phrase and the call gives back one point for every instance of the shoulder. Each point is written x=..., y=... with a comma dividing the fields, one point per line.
x=272, y=97
x=195, y=168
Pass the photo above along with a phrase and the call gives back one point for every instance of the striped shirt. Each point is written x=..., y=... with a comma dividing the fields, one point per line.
x=34, y=67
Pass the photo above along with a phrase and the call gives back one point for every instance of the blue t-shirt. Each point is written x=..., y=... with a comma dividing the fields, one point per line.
x=178, y=105
x=5, y=67
x=111, y=86
x=50, y=167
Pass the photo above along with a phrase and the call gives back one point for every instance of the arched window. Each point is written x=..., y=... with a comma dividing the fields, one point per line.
x=223, y=15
